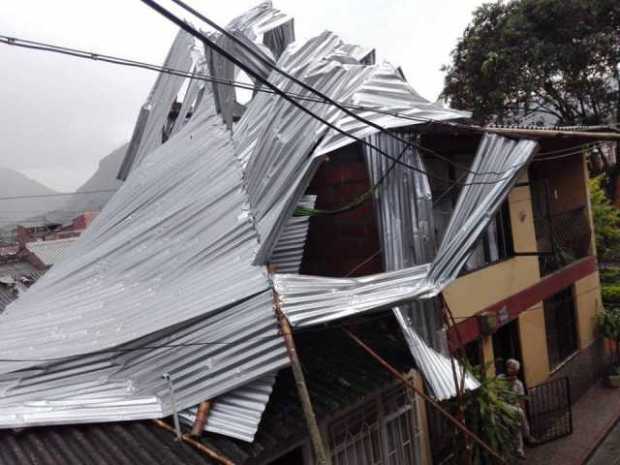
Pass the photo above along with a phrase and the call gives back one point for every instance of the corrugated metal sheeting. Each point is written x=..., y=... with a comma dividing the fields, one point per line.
x=133, y=443
x=153, y=115
x=170, y=278
x=310, y=300
x=283, y=145
x=405, y=217
x=162, y=282
x=238, y=413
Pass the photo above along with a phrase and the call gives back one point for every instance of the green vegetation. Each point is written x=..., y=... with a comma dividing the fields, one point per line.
x=489, y=413
x=606, y=219
x=608, y=322
x=545, y=57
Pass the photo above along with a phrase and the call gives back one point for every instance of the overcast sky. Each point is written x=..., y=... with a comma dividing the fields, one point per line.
x=59, y=115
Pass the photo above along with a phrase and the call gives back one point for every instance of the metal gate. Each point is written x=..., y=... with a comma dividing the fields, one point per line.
x=549, y=410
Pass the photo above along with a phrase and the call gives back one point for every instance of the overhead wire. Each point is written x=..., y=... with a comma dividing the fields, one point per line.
x=198, y=76
x=198, y=34
x=58, y=194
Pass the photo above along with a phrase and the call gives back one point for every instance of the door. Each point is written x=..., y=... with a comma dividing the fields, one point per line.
x=506, y=344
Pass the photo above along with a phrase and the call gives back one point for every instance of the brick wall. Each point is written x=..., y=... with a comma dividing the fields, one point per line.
x=336, y=244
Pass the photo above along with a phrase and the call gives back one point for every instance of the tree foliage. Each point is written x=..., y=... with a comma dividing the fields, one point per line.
x=557, y=58
x=606, y=219
x=489, y=413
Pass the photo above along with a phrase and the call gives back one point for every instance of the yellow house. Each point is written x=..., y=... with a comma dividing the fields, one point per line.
x=532, y=287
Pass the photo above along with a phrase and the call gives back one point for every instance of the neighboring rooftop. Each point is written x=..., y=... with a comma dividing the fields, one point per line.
x=50, y=252
x=21, y=272
x=130, y=443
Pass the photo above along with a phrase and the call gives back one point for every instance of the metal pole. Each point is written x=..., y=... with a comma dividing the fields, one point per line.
x=175, y=415
x=320, y=451
x=413, y=387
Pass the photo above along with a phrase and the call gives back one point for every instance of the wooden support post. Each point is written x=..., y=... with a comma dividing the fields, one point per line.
x=201, y=418
x=321, y=453
x=414, y=388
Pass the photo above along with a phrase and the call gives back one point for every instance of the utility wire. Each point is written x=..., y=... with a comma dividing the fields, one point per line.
x=196, y=33
x=167, y=70
x=59, y=194
x=273, y=90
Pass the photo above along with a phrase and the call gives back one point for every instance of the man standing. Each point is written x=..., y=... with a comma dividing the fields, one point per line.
x=512, y=370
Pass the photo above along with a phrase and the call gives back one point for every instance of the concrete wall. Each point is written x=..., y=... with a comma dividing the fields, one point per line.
x=534, y=345
x=476, y=291
x=587, y=296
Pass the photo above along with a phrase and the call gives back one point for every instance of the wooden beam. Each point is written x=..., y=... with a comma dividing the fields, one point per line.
x=320, y=451
x=219, y=458
x=201, y=418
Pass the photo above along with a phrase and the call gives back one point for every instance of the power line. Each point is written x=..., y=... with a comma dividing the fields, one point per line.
x=59, y=194
x=132, y=63
x=167, y=70
x=198, y=34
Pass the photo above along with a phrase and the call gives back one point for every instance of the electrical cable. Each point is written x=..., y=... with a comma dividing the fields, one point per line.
x=167, y=70
x=199, y=35
x=196, y=33
x=59, y=194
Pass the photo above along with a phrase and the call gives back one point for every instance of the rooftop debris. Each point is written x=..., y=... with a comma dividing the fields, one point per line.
x=172, y=277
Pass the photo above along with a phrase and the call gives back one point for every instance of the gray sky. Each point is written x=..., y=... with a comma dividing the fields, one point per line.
x=59, y=115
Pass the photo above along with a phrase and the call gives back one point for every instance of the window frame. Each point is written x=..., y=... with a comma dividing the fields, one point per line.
x=561, y=329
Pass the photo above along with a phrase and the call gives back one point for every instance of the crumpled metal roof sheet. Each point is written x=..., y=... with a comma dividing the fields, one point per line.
x=289, y=251
x=404, y=209
x=310, y=300
x=170, y=277
x=238, y=413
x=279, y=141
x=147, y=134
x=136, y=279
x=51, y=252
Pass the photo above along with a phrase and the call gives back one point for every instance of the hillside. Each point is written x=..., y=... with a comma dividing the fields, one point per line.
x=56, y=209
x=14, y=184
x=104, y=179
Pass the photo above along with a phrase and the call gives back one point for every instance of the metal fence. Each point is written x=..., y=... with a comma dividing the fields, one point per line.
x=549, y=410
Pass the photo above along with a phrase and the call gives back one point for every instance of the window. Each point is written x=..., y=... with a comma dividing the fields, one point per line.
x=560, y=326
x=382, y=432
x=496, y=243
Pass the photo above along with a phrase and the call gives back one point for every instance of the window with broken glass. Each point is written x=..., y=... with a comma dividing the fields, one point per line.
x=384, y=431
x=496, y=243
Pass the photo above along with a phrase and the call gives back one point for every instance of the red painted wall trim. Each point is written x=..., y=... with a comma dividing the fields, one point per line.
x=469, y=329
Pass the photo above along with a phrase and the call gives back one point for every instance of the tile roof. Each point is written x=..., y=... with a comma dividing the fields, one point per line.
x=131, y=443
x=339, y=374
x=50, y=252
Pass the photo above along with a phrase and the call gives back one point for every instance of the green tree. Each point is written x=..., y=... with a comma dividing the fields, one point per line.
x=606, y=219
x=549, y=57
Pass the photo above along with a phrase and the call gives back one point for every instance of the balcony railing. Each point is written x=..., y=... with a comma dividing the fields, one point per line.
x=562, y=238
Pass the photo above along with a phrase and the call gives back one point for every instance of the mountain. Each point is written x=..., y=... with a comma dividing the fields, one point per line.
x=34, y=201
x=104, y=179
x=60, y=209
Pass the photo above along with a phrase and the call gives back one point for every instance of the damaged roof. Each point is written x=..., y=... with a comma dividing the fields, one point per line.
x=172, y=279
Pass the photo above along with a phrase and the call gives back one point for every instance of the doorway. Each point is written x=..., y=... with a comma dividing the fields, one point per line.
x=506, y=344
